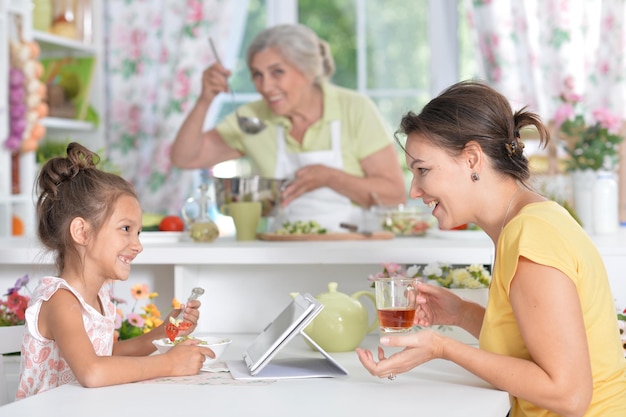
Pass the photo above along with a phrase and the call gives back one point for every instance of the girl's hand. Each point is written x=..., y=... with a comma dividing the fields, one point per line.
x=419, y=347
x=188, y=357
x=192, y=315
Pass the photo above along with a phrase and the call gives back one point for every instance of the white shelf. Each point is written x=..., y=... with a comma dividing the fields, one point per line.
x=51, y=44
x=58, y=123
x=16, y=198
x=90, y=134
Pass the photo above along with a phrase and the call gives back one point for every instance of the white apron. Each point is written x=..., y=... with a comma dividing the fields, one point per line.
x=323, y=205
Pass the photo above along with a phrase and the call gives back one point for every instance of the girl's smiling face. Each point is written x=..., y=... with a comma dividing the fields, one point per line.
x=440, y=180
x=117, y=242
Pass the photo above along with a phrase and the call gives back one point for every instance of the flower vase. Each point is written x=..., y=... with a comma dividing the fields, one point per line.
x=11, y=338
x=477, y=295
x=10, y=342
x=582, y=188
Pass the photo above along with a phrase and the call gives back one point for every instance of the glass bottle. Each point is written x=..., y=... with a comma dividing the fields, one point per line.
x=196, y=214
x=42, y=15
x=605, y=203
x=64, y=19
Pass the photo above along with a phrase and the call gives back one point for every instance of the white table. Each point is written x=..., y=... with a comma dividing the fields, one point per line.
x=438, y=388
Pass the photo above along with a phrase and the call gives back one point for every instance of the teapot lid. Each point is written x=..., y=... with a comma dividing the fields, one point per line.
x=333, y=295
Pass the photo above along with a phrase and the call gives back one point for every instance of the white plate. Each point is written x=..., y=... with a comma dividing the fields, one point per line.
x=161, y=237
x=457, y=234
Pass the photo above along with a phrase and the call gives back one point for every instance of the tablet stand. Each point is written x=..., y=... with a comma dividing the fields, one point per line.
x=286, y=368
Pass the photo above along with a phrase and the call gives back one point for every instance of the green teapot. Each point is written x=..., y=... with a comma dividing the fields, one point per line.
x=343, y=323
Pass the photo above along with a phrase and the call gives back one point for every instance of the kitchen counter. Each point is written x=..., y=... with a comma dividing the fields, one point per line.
x=247, y=282
x=437, y=388
x=227, y=250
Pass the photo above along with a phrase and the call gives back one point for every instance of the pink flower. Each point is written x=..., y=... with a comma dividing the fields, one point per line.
x=607, y=119
x=118, y=320
x=563, y=113
x=572, y=97
x=136, y=320
x=194, y=11
x=392, y=269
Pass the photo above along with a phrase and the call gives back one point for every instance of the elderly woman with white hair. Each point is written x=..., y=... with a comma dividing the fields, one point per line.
x=330, y=141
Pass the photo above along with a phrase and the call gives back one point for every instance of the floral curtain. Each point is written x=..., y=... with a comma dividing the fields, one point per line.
x=532, y=50
x=155, y=52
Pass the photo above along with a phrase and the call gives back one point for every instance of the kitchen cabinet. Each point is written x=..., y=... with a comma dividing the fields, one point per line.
x=246, y=283
x=21, y=203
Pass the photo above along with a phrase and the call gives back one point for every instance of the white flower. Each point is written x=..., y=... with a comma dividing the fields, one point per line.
x=472, y=276
x=461, y=278
x=412, y=271
x=433, y=271
x=476, y=268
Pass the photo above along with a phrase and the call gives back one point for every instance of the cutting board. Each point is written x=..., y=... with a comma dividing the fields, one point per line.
x=325, y=236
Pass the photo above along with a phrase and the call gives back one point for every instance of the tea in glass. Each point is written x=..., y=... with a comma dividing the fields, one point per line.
x=395, y=302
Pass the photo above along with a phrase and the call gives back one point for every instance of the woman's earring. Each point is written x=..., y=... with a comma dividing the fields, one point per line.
x=475, y=177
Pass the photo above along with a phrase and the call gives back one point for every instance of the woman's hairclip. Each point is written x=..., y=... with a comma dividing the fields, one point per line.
x=515, y=146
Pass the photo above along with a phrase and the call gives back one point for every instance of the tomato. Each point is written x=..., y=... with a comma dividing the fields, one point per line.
x=461, y=227
x=172, y=224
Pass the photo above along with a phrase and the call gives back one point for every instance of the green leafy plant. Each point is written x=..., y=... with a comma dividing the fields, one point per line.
x=591, y=144
x=135, y=324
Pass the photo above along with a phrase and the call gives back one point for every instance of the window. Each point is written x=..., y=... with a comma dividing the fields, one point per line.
x=398, y=53
x=385, y=49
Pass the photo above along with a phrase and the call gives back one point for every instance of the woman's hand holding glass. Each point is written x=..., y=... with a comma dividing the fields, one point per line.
x=437, y=306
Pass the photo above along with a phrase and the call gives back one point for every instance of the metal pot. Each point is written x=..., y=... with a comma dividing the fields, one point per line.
x=266, y=190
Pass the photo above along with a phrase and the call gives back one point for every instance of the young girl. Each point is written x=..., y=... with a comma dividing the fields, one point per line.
x=91, y=220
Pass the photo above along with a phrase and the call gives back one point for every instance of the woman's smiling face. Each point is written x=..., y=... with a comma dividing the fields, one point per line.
x=282, y=85
x=440, y=180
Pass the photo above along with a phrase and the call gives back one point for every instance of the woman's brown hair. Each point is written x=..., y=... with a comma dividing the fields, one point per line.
x=473, y=111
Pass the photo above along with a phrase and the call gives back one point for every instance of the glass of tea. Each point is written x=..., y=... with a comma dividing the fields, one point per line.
x=395, y=302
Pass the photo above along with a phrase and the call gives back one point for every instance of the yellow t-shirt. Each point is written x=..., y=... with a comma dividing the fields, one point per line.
x=546, y=234
x=363, y=131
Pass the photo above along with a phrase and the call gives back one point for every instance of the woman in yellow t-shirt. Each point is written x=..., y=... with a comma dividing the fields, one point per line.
x=548, y=335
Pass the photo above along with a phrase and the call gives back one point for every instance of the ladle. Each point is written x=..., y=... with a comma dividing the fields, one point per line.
x=250, y=125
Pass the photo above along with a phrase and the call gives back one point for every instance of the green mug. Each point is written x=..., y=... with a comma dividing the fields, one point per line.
x=246, y=216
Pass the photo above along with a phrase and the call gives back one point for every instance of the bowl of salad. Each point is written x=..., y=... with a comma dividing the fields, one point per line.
x=217, y=344
x=403, y=220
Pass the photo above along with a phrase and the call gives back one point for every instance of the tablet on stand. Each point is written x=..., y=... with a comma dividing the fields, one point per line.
x=258, y=360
